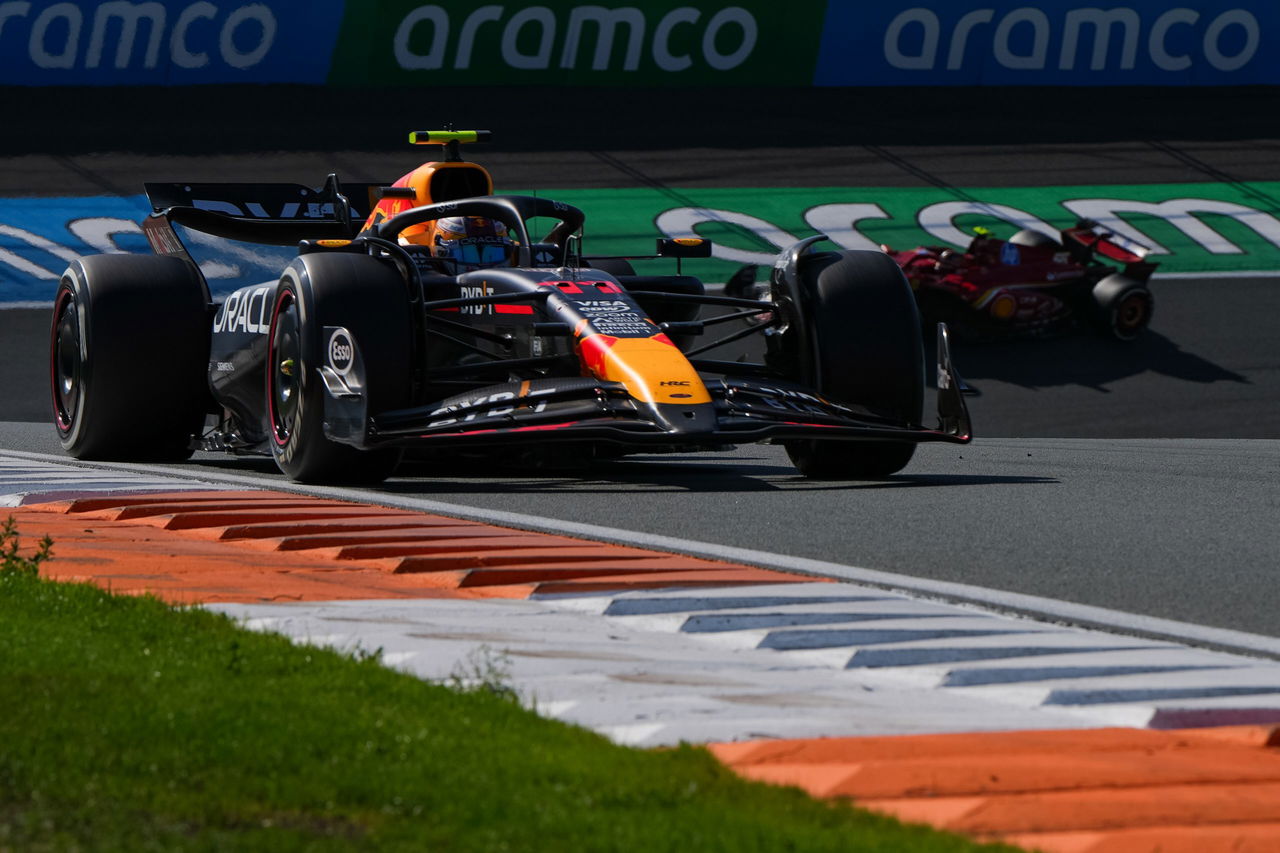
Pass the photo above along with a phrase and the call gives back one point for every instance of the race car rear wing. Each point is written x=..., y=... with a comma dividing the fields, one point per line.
x=1089, y=237
x=269, y=214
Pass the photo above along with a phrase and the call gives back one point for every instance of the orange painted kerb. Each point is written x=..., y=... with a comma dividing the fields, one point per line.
x=1073, y=791
x=259, y=546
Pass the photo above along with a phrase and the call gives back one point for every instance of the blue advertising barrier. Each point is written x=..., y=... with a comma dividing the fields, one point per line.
x=167, y=42
x=1051, y=43
x=39, y=236
x=861, y=43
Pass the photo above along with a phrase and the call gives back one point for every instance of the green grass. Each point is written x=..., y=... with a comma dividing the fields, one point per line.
x=127, y=724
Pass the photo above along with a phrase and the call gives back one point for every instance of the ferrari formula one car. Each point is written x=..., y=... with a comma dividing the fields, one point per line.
x=382, y=336
x=1033, y=284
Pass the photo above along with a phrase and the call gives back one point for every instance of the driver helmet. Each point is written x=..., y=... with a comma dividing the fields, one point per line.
x=471, y=241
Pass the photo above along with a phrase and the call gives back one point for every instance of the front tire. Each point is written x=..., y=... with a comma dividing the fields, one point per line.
x=128, y=358
x=369, y=299
x=869, y=352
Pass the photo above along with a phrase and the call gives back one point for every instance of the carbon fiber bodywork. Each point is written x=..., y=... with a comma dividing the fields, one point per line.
x=545, y=348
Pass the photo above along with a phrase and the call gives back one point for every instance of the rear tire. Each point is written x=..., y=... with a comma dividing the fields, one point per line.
x=869, y=352
x=615, y=267
x=1123, y=307
x=128, y=358
x=661, y=311
x=366, y=297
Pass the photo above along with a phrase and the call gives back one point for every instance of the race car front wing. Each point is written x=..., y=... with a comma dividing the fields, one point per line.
x=742, y=410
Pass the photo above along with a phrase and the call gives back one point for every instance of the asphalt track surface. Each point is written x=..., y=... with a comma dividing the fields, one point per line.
x=1174, y=529
x=1048, y=504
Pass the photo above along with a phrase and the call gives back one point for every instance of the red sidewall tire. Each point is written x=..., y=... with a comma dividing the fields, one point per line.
x=369, y=299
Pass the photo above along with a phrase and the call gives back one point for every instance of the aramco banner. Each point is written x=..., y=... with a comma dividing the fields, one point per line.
x=759, y=43
x=167, y=42
x=655, y=43
x=1051, y=43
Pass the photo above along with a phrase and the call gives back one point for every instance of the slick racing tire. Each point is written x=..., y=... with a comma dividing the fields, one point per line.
x=662, y=311
x=367, y=297
x=1122, y=307
x=659, y=310
x=615, y=267
x=869, y=352
x=128, y=358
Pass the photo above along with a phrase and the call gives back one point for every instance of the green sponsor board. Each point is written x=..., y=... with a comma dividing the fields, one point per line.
x=665, y=42
x=1188, y=227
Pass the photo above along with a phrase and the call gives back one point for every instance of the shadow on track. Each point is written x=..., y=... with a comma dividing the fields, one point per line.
x=1086, y=361
x=680, y=474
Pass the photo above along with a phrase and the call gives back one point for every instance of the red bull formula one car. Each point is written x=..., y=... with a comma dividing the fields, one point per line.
x=427, y=314
x=1033, y=284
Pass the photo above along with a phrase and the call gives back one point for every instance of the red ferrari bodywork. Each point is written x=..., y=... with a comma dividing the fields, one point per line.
x=1031, y=284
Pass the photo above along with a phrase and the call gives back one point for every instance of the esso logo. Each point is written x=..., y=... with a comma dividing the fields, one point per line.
x=342, y=351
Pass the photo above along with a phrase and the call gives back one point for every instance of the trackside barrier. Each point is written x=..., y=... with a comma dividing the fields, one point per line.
x=655, y=43
x=363, y=43
x=167, y=42
x=407, y=43
x=1050, y=43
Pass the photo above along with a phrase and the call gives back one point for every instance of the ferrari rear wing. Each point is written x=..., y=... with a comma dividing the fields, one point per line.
x=270, y=214
x=1088, y=238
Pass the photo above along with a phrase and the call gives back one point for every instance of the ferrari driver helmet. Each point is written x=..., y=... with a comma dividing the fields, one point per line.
x=471, y=241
